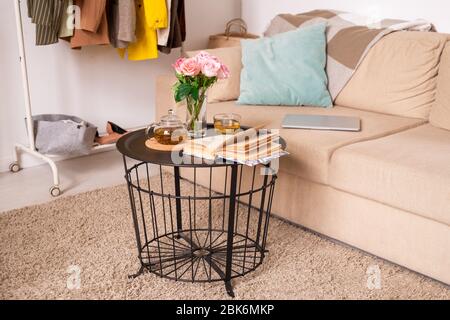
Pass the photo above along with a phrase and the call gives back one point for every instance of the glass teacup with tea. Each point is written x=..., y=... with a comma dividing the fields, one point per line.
x=227, y=123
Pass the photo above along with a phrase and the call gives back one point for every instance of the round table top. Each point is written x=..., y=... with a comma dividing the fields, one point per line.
x=133, y=146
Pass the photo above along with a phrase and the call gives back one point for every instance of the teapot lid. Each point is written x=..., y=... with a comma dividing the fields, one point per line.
x=171, y=119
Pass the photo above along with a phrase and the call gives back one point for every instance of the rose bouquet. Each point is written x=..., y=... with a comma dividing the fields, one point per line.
x=195, y=76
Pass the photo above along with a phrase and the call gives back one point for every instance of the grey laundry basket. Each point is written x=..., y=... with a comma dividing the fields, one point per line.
x=60, y=134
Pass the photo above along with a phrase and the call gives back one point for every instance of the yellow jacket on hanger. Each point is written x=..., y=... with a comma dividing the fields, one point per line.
x=151, y=15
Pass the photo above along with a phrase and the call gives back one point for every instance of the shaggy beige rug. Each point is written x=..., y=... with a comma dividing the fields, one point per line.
x=42, y=247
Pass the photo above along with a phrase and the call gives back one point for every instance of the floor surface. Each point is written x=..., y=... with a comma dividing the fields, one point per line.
x=31, y=186
x=84, y=247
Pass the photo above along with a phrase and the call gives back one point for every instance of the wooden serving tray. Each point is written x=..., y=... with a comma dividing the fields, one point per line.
x=155, y=145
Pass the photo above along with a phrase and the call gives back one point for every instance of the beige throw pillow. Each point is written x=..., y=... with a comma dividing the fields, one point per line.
x=228, y=89
x=398, y=76
x=440, y=112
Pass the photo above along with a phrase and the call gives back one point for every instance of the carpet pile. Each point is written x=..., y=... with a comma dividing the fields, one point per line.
x=43, y=247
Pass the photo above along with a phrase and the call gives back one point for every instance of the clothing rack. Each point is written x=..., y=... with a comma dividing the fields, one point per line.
x=14, y=167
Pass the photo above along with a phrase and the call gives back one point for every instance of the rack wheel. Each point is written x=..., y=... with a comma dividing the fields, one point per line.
x=14, y=167
x=55, y=191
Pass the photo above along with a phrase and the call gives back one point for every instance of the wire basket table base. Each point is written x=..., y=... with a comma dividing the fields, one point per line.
x=200, y=224
x=181, y=258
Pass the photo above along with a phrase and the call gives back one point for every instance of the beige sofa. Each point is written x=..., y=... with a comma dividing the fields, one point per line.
x=386, y=189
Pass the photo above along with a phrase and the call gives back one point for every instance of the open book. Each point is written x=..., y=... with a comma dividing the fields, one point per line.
x=248, y=147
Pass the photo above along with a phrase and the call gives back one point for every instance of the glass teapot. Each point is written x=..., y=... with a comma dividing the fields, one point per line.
x=169, y=131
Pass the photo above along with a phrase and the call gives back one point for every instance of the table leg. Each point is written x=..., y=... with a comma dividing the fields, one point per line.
x=261, y=209
x=230, y=236
x=137, y=274
x=135, y=221
x=178, y=200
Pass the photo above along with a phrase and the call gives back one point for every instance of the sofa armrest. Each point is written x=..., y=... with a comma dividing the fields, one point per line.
x=164, y=95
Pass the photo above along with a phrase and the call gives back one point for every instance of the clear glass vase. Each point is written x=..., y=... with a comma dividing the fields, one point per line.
x=196, y=122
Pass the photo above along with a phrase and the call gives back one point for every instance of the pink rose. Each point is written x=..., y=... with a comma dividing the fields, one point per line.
x=210, y=68
x=203, y=57
x=224, y=72
x=177, y=65
x=190, y=67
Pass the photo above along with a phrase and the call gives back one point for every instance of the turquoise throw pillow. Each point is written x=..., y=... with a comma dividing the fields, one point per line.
x=286, y=69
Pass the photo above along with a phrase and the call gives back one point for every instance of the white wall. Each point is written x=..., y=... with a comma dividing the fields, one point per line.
x=258, y=13
x=93, y=83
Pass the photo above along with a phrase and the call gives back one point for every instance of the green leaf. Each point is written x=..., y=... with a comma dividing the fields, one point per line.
x=182, y=91
x=194, y=93
x=180, y=78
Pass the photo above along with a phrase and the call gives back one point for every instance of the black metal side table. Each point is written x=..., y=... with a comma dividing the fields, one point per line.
x=185, y=232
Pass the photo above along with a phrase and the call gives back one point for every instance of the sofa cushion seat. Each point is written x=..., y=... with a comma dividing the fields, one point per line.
x=408, y=170
x=311, y=149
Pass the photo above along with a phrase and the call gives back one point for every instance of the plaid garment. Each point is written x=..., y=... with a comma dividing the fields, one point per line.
x=47, y=15
x=349, y=38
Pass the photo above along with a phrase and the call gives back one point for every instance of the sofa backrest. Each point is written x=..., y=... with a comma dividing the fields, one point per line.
x=440, y=112
x=398, y=76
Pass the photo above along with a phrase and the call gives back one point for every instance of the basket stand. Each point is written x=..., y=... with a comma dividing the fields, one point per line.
x=14, y=167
